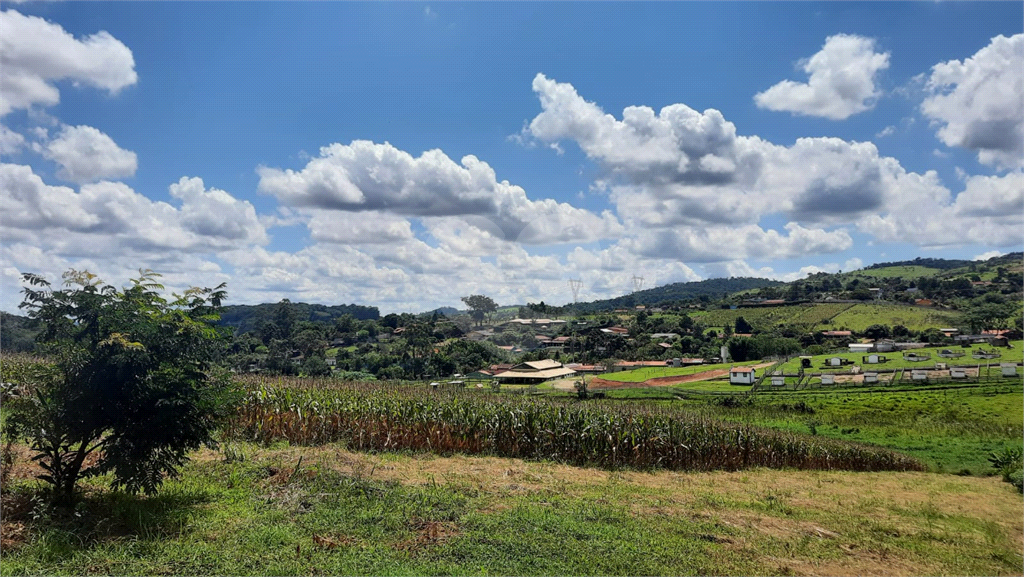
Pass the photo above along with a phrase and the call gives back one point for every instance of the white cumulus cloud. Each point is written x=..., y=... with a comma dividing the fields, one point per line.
x=35, y=53
x=841, y=81
x=86, y=155
x=978, y=103
x=369, y=177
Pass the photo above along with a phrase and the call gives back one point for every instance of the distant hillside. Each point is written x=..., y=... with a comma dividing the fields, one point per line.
x=949, y=264
x=446, y=311
x=712, y=289
x=17, y=333
x=247, y=318
x=939, y=263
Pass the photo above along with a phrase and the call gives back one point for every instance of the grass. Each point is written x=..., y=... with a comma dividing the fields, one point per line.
x=952, y=429
x=831, y=316
x=647, y=373
x=909, y=272
x=392, y=513
x=896, y=360
x=863, y=316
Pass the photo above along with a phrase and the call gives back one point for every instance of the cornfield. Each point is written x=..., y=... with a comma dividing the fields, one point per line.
x=375, y=416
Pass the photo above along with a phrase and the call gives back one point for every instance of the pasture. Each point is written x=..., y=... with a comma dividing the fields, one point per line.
x=831, y=316
x=906, y=272
x=251, y=509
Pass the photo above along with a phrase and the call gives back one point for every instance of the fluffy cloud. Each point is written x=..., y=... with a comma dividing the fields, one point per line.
x=35, y=53
x=992, y=196
x=988, y=212
x=365, y=176
x=110, y=216
x=978, y=103
x=722, y=243
x=673, y=208
x=359, y=228
x=10, y=141
x=841, y=81
x=677, y=145
x=214, y=213
x=86, y=155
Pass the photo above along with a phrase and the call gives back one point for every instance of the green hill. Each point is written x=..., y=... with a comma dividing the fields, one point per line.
x=245, y=318
x=710, y=290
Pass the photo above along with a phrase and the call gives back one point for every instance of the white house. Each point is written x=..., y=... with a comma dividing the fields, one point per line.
x=742, y=376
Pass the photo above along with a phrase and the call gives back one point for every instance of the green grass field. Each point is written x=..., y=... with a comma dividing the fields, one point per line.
x=910, y=272
x=640, y=375
x=832, y=316
x=861, y=316
x=896, y=360
x=951, y=430
x=328, y=511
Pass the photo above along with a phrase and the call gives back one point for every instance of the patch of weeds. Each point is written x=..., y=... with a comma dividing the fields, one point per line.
x=772, y=502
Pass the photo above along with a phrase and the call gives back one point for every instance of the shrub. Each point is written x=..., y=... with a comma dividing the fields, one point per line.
x=130, y=381
x=1010, y=464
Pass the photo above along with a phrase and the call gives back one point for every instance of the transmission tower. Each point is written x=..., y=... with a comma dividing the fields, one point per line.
x=574, y=285
x=638, y=283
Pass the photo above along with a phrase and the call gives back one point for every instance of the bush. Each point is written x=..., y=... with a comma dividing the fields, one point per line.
x=1010, y=464
x=129, y=379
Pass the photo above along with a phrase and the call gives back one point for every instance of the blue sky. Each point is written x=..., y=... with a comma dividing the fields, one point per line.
x=406, y=154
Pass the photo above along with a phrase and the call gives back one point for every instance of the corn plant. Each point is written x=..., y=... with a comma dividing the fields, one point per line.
x=393, y=417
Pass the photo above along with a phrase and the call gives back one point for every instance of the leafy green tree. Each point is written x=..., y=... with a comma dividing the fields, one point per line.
x=877, y=332
x=742, y=326
x=131, y=381
x=315, y=366
x=480, y=306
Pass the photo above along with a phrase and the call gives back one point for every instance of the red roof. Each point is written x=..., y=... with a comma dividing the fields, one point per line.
x=741, y=370
x=837, y=333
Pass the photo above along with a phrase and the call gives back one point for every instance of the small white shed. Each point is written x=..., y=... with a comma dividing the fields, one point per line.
x=957, y=372
x=919, y=375
x=1008, y=369
x=778, y=381
x=834, y=362
x=828, y=379
x=870, y=377
x=742, y=376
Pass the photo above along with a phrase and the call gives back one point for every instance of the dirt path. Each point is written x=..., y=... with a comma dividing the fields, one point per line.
x=599, y=383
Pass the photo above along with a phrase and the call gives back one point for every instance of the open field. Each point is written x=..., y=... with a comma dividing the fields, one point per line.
x=648, y=373
x=863, y=316
x=907, y=272
x=832, y=316
x=895, y=359
x=949, y=429
x=329, y=511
